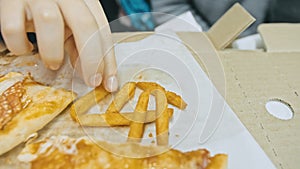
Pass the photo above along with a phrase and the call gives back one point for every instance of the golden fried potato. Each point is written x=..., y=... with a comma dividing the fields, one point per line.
x=122, y=97
x=117, y=119
x=172, y=97
x=175, y=100
x=87, y=101
x=162, y=117
x=137, y=128
x=149, y=86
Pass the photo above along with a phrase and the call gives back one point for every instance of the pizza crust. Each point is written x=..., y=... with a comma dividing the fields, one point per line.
x=45, y=103
x=218, y=161
x=69, y=153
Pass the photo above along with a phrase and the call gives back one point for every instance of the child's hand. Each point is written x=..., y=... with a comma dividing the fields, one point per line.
x=79, y=26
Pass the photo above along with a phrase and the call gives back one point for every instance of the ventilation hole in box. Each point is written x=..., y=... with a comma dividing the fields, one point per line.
x=280, y=109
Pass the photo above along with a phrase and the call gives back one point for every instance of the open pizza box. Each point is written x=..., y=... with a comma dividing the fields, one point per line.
x=173, y=60
x=253, y=78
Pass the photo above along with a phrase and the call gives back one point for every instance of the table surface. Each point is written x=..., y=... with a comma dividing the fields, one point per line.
x=253, y=78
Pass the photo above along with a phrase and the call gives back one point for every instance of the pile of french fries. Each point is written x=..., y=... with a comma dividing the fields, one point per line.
x=135, y=120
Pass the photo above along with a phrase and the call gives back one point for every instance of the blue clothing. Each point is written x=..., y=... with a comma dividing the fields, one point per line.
x=139, y=13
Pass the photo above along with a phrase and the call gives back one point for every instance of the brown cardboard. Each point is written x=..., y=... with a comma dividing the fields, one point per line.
x=252, y=79
x=281, y=37
x=229, y=26
x=207, y=55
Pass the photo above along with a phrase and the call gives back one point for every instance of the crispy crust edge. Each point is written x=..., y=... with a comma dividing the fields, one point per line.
x=33, y=125
x=219, y=161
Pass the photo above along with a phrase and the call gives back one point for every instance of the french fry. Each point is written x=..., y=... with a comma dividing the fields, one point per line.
x=162, y=117
x=100, y=120
x=172, y=97
x=122, y=97
x=175, y=100
x=136, y=130
x=149, y=86
x=87, y=101
x=116, y=119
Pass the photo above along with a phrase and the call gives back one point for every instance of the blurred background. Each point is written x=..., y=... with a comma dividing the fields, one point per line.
x=133, y=15
x=145, y=15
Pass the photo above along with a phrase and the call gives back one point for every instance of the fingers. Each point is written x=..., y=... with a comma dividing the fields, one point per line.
x=49, y=27
x=71, y=50
x=13, y=26
x=110, y=69
x=46, y=18
x=85, y=31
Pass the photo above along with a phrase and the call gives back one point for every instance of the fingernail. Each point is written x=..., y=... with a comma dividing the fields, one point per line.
x=112, y=84
x=54, y=67
x=95, y=80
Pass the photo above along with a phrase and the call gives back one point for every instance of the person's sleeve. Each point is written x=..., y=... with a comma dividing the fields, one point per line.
x=165, y=10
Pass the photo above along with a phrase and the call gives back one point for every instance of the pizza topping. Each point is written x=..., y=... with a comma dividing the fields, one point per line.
x=12, y=101
x=65, y=152
x=9, y=80
x=63, y=144
x=31, y=138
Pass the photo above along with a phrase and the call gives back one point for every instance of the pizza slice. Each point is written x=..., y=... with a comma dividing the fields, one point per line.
x=68, y=153
x=26, y=107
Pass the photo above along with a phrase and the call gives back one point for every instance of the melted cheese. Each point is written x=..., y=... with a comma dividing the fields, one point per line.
x=9, y=80
x=26, y=107
x=12, y=101
x=63, y=144
x=68, y=153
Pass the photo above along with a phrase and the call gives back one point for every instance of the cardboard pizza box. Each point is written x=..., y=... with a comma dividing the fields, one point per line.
x=253, y=78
